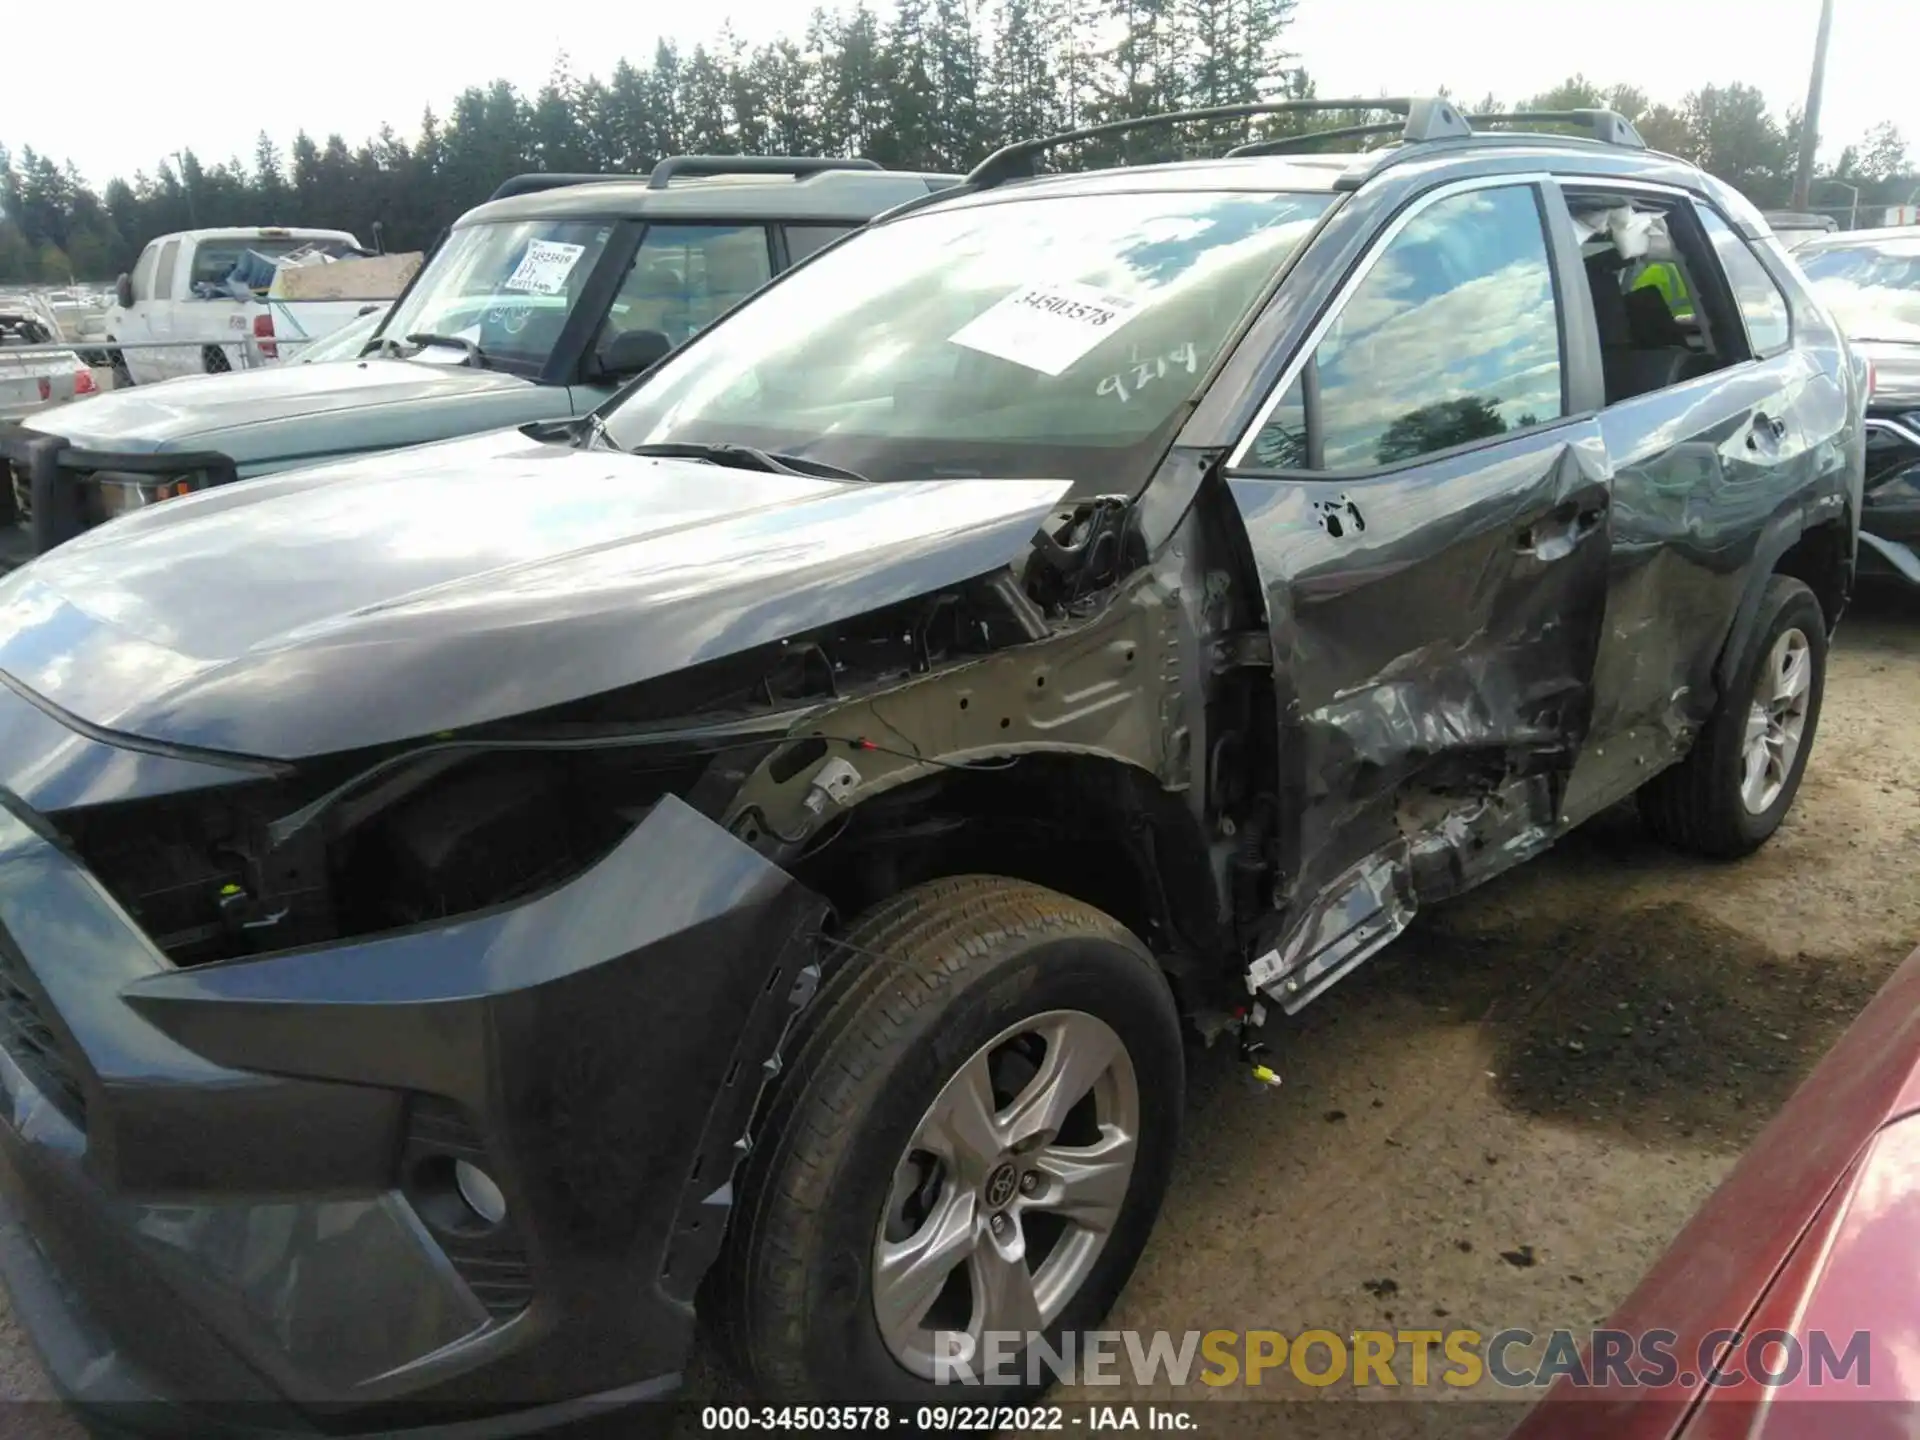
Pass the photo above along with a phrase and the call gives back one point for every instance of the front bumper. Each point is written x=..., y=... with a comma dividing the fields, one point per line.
x=223, y=1186
x=43, y=479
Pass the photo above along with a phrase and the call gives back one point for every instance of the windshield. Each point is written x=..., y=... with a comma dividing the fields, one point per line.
x=1039, y=338
x=506, y=287
x=1874, y=290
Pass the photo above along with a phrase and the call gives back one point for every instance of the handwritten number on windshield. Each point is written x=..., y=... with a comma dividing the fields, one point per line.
x=1125, y=384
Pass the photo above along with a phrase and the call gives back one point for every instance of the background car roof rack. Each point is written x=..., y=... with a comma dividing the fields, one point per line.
x=676, y=167
x=1426, y=118
x=538, y=180
x=1609, y=127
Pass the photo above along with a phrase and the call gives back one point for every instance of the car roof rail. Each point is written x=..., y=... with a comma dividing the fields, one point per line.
x=1424, y=118
x=1286, y=144
x=676, y=167
x=538, y=180
x=1609, y=127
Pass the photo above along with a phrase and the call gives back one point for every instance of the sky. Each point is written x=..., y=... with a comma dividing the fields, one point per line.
x=349, y=69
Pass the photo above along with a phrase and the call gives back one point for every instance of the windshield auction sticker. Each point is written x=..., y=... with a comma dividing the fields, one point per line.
x=543, y=270
x=1047, y=327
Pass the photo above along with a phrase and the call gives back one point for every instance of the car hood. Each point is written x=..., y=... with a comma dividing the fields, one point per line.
x=351, y=605
x=174, y=414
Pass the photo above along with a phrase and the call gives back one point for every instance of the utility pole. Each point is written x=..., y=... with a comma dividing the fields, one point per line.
x=186, y=186
x=1810, y=120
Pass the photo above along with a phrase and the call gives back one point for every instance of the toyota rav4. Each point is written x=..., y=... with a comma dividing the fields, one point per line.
x=757, y=851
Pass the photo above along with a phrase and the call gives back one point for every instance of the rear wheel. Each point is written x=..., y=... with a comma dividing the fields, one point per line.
x=974, y=1138
x=214, y=359
x=1738, y=782
x=122, y=376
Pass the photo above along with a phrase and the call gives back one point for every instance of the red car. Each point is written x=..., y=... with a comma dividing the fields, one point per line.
x=1788, y=1307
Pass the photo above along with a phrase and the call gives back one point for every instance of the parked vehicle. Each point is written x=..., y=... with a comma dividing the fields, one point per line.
x=181, y=311
x=349, y=342
x=1870, y=280
x=1809, y=1237
x=1794, y=228
x=30, y=382
x=753, y=850
x=538, y=306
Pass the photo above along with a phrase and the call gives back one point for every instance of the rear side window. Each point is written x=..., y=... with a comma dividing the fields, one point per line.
x=163, y=276
x=1452, y=337
x=805, y=240
x=1762, y=306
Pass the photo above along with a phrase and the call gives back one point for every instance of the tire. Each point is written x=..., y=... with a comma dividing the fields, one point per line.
x=967, y=960
x=1703, y=804
x=122, y=376
x=214, y=360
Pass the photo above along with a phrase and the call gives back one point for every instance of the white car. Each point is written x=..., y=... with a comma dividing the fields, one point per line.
x=195, y=302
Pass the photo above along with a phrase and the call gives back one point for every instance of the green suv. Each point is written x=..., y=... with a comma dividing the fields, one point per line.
x=537, y=305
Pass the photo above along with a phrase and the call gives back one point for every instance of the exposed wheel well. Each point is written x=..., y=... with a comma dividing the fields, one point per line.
x=1823, y=559
x=1097, y=830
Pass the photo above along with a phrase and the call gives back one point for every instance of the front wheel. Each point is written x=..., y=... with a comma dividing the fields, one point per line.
x=1730, y=793
x=968, y=1153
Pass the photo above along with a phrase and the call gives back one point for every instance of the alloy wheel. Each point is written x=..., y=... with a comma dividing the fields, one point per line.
x=1776, y=721
x=1009, y=1187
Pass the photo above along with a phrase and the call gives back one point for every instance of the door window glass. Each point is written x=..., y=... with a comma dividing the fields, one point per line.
x=1452, y=337
x=163, y=277
x=143, y=273
x=804, y=240
x=685, y=277
x=1761, y=304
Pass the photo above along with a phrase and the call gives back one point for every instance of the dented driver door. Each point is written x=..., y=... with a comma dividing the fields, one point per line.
x=1429, y=526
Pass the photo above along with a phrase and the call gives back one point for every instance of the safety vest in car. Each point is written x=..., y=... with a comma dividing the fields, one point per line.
x=1665, y=276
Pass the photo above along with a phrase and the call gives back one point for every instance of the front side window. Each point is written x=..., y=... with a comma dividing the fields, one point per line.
x=685, y=277
x=500, y=292
x=1048, y=337
x=1452, y=337
x=1762, y=306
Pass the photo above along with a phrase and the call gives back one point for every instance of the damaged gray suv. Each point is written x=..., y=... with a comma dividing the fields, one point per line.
x=756, y=853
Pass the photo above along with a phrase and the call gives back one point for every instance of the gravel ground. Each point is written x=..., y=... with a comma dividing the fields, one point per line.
x=1506, y=1117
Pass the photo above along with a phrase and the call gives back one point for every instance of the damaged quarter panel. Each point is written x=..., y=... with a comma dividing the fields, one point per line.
x=463, y=583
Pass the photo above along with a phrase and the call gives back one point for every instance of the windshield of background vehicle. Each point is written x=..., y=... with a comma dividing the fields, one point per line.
x=1873, y=290
x=1036, y=338
x=507, y=287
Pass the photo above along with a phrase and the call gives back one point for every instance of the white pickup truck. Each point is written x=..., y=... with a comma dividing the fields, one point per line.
x=185, y=295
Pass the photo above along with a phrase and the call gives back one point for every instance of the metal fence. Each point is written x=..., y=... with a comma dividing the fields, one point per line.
x=245, y=348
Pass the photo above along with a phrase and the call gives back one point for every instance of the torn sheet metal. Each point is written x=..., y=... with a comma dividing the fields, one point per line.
x=1432, y=666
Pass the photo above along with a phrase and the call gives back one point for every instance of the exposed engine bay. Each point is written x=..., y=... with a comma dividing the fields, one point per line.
x=772, y=742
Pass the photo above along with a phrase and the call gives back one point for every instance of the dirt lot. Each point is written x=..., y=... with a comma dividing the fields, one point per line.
x=1505, y=1118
